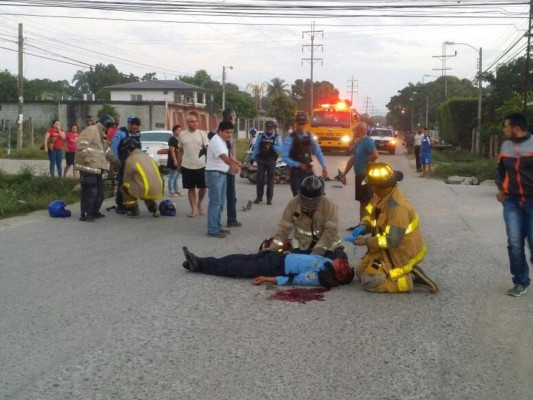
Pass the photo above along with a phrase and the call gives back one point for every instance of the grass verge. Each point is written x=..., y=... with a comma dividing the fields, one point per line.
x=26, y=153
x=23, y=192
x=462, y=163
x=241, y=147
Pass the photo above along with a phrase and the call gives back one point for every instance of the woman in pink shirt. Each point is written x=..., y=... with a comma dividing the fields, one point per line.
x=71, y=140
x=53, y=145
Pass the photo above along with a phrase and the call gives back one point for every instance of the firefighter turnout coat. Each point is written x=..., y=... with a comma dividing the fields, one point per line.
x=395, y=245
x=93, y=150
x=317, y=232
x=142, y=179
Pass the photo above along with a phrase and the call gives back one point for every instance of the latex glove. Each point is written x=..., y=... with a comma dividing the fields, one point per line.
x=360, y=230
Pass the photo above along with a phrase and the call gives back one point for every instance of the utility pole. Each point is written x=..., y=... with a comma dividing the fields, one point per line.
x=367, y=102
x=312, y=34
x=528, y=56
x=444, y=68
x=224, y=86
x=353, y=86
x=20, y=89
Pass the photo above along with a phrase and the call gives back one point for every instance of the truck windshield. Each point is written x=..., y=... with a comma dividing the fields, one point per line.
x=331, y=118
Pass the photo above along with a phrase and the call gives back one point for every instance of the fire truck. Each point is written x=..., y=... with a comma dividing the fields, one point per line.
x=332, y=125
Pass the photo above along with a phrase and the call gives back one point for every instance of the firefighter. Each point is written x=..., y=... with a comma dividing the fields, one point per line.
x=265, y=152
x=91, y=154
x=394, y=243
x=297, y=152
x=314, y=219
x=142, y=179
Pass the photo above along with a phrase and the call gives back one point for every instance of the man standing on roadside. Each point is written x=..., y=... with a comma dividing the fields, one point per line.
x=231, y=197
x=364, y=153
x=219, y=164
x=191, y=164
x=172, y=162
x=417, y=141
x=514, y=179
x=265, y=152
x=297, y=151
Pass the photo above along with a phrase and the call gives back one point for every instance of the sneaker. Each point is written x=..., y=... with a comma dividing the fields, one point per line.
x=98, y=215
x=421, y=279
x=517, y=290
x=225, y=231
x=257, y=201
x=86, y=218
x=172, y=194
x=178, y=193
x=233, y=224
x=217, y=235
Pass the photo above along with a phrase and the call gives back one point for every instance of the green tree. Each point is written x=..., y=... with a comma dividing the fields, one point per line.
x=238, y=100
x=97, y=80
x=201, y=79
x=107, y=109
x=149, y=76
x=283, y=109
x=277, y=86
x=45, y=89
x=323, y=92
x=8, y=87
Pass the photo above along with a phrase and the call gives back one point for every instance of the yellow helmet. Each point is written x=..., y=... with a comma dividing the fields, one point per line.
x=382, y=175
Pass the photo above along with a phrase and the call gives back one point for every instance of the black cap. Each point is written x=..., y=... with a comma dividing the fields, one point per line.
x=301, y=119
x=135, y=121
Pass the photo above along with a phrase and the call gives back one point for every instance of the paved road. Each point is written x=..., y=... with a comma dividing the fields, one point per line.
x=105, y=311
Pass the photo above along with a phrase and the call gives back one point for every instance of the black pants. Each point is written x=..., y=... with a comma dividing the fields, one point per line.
x=417, y=157
x=119, y=200
x=92, y=193
x=297, y=176
x=231, y=199
x=265, y=263
x=267, y=167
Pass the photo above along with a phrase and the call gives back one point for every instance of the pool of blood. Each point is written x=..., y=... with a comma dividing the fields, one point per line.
x=299, y=295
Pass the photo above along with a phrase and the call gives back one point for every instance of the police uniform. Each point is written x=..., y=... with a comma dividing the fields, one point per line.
x=265, y=152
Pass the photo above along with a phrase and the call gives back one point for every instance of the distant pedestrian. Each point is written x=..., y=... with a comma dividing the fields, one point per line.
x=297, y=151
x=114, y=129
x=417, y=141
x=514, y=179
x=192, y=163
x=71, y=142
x=425, y=153
x=219, y=164
x=231, y=193
x=174, y=175
x=364, y=153
x=53, y=145
x=265, y=152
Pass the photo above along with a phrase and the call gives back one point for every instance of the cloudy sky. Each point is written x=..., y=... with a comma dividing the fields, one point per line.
x=383, y=44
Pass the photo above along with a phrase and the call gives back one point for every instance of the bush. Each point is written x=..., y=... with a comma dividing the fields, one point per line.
x=457, y=117
x=463, y=163
x=23, y=192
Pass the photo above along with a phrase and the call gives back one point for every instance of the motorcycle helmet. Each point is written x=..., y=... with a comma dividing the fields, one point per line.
x=253, y=132
x=129, y=143
x=56, y=209
x=167, y=208
x=311, y=192
x=382, y=175
x=107, y=121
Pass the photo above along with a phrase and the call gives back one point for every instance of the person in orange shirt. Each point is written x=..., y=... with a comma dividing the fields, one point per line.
x=53, y=145
x=71, y=142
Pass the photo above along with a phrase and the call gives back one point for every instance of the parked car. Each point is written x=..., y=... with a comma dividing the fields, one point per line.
x=384, y=139
x=155, y=144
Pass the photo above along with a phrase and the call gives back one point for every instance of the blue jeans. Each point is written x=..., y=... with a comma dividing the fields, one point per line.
x=216, y=184
x=174, y=179
x=55, y=157
x=231, y=198
x=518, y=218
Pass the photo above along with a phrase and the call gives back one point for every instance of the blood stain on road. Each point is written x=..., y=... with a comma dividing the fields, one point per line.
x=299, y=295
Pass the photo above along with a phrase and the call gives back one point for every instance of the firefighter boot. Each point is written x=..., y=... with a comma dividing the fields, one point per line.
x=421, y=279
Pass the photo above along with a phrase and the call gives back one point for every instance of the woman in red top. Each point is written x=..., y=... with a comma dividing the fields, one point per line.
x=53, y=145
x=71, y=143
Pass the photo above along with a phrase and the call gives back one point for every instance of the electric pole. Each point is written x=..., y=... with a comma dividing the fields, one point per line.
x=224, y=85
x=444, y=68
x=528, y=56
x=353, y=86
x=20, y=89
x=312, y=35
x=367, y=103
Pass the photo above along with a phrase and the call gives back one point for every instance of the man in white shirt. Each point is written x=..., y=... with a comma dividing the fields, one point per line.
x=192, y=166
x=417, y=141
x=219, y=164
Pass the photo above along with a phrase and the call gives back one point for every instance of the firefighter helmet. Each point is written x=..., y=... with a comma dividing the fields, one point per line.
x=107, y=121
x=311, y=192
x=382, y=175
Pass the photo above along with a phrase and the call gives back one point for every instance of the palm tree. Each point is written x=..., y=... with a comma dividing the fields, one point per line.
x=258, y=91
x=82, y=81
x=277, y=86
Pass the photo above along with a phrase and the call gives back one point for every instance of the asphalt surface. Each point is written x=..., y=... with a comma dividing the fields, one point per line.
x=104, y=310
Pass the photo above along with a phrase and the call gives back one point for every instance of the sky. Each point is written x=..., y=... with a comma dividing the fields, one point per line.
x=382, y=49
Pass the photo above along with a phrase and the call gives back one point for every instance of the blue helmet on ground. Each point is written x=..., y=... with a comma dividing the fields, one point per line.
x=167, y=208
x=56, y=209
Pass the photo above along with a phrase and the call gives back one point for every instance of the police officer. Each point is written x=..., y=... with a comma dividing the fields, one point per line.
x=133, y=131
x=265, y=152
x=297, y=152
x=91, y=154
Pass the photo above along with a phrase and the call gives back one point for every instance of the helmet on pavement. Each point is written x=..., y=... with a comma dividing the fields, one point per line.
x=311, y=192
x=130, y=143
x=167, y=208
x=107, y=121
x=56, y=209
x=382, y=175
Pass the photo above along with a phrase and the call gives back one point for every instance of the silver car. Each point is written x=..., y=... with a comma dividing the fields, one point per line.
x=155, y=144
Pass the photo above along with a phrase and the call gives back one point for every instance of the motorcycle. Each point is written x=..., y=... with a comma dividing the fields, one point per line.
x=249, y=170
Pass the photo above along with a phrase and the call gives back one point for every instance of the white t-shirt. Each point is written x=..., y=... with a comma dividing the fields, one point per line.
x=217, y=146
x=418, y=139
x=191, y=143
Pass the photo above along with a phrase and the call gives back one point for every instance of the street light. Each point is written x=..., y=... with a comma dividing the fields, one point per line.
x=224, y=85
x=480, y=90
x=428, y=76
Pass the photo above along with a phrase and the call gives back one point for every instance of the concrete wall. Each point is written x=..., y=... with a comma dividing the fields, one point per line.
x=160, y=95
